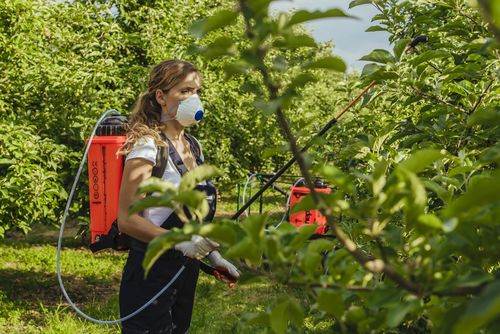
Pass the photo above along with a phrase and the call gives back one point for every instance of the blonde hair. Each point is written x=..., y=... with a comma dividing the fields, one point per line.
x=146, y=114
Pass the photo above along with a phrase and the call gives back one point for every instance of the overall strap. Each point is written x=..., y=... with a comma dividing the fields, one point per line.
x=176, y=158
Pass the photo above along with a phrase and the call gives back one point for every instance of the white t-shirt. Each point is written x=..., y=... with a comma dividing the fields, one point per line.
x=145, y=148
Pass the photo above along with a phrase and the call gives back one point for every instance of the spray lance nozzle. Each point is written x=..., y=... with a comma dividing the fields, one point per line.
x=414, y=42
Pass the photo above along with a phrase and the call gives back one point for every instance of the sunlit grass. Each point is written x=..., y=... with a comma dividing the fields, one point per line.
x=31, y=302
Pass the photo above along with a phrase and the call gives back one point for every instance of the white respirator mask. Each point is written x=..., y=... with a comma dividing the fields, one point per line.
x=189, y=112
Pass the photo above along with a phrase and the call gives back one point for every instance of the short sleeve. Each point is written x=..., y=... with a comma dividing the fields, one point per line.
x=145, y=148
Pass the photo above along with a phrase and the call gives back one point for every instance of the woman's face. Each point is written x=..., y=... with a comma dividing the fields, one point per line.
x=170, y=100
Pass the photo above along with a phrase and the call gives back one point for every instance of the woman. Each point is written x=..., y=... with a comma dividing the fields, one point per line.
x=158, y=120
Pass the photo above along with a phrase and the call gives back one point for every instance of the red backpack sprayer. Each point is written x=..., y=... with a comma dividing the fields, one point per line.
x=298, y=191
x=105, y=171
x=105, y=167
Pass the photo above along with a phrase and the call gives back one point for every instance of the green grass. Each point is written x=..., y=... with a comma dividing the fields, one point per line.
x=30, y=300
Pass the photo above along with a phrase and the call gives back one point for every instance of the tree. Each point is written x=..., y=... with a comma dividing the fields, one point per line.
x=415, y=212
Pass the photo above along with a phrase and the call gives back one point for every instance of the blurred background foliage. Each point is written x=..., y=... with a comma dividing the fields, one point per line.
x=65, y=63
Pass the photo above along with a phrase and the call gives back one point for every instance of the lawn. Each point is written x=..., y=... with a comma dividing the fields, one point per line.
x=30, y=300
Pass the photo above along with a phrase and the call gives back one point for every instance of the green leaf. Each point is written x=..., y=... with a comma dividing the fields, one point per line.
x=399, y=48
x=375, y=28
x=259, y=6
x=495, y=12
x=160, y=245
x=222, y=46
x=442, y=193
x=473, y=278
x=295, y=41
x=430, y=220
x=306, y=203
x=220, y=231
x=491, y=154
x=489, y=115
x=329, y=63
x=384, y=297
x=154, y=184
x=429, y=55
x=237, y=67
x=295, y=312
x=286, y=310
x=320, y=245
x=356, y=3
x=268, y=107
x=378, y=72
x=250, y=87
x=273, y=249
x=149, y=202
x=312, y=260
x=280, y=63
x=301, y=80
x=481, y=310
x=369, y=69
x=254, y=225
x=420, y=160
x=398, y=312
x=336, y=177
x=245, y=249
x=379, y=178
x=195, y=201
x=304, y=15
x=303, y=234
x=379, y=56
x=462, y=170
x=195, y=176
x=218, y=20
x=331, y=301
x=417, y=197
x=483, y=190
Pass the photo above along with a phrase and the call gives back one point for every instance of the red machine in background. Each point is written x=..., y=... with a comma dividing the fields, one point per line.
x=105, y=168
x=310, y=216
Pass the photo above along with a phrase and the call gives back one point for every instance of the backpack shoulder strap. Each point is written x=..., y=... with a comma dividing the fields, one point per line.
x=164, y=152
x=161, y=158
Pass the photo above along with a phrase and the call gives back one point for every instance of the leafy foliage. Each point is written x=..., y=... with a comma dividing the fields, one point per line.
x=76, y=59
x=31, y=169
x=415, y=211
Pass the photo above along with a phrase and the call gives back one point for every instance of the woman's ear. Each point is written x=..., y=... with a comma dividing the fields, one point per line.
x=161, y=97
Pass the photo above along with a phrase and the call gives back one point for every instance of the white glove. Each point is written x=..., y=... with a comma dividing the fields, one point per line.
x=221, y=264
x=197, y=248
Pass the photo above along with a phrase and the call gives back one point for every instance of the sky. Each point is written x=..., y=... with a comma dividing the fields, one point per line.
x=349, y=38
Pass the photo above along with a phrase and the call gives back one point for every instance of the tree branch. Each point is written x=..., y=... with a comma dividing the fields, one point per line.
x=369, y=262
x=483, y=94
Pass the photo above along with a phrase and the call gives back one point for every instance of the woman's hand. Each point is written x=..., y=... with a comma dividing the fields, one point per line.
x=223, y=268
x=197, y=248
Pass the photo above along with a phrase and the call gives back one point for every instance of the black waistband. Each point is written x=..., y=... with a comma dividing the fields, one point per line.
x=141, y=247
x=171, y=222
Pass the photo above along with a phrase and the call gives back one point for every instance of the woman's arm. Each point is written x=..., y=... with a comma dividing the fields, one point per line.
x=135, y=171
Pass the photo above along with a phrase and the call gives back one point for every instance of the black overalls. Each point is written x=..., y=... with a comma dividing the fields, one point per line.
x=171, y=312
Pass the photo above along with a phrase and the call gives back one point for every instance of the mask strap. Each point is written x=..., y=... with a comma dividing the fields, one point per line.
x=166, y=117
